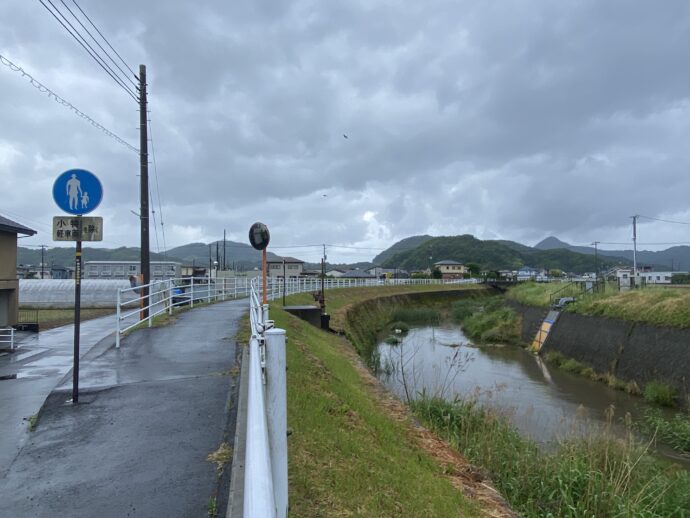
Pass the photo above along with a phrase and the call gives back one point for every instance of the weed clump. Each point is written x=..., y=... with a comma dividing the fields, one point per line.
x=674, y=432
x=598, y=475
x=660, y=393
x=420, y=316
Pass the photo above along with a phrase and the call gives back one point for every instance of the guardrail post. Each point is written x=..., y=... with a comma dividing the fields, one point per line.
x=191, y=302
x=117, y=324
x=171, y=287
x=223, y=297
x=276, y=413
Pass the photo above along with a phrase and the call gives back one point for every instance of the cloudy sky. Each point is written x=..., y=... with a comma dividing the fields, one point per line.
x=503, y=119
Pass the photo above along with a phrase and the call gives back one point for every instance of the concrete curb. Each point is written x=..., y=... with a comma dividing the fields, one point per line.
x=236, y=497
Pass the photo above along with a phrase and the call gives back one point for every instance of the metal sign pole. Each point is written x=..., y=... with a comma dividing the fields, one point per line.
x=77, y=318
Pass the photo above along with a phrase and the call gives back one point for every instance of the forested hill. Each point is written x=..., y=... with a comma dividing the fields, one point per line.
x=407, y=244
x=496, y=255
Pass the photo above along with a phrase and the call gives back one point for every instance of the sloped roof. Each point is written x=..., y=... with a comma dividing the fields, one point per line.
x=7, y=225
x=447, y=262
x=357, y=274
x=286, y=259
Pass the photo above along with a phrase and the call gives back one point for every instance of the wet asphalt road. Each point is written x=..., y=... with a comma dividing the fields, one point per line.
x=136, y=445
x=33, y=371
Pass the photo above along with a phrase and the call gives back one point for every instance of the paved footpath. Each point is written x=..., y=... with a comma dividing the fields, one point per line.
x=137, y=443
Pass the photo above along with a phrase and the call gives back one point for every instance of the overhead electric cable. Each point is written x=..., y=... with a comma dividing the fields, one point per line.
x=158, y=190
x=124, y=74
x=665, y=220
x=44, y=89
x=86, y=46
x=155, y=229
x=105, y=39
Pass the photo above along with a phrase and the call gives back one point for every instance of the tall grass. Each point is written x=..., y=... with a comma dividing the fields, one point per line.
x=674, y=432
x=487, y=320
x=419, y=315
x=662, y=306
x=598, y=475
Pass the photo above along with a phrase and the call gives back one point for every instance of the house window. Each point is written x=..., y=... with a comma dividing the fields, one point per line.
x=658, y=277
x=132, y=267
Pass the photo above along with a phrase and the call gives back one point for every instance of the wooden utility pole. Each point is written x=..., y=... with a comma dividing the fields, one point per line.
x=144, y=191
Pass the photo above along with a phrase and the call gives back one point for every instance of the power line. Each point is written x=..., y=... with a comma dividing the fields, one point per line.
x=158, y=191
x=155, y=229
x=665, y=220
x=124, y=74
x=44, y=89
x=105, y=39
x=88, y=48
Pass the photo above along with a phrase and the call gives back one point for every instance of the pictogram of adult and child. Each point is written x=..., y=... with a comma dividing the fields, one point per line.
x=75, y=194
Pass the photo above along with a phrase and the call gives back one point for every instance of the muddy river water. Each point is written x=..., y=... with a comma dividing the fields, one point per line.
x=544, y=403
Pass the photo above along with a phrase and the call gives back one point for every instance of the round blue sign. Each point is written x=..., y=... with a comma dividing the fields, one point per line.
x=77, y=191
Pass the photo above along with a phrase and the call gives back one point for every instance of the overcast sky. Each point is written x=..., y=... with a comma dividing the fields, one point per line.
x=503, y=119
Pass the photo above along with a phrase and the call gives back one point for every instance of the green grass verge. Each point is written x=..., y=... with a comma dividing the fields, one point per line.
x=660, y=306
x=347, y=457
x=598, y=475
x=51, y=318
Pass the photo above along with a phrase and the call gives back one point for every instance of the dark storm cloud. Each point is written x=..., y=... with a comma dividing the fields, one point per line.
x=503, y=119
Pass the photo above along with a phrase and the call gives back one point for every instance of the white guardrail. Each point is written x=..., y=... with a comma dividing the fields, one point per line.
x=265, y=466
x=7, y=337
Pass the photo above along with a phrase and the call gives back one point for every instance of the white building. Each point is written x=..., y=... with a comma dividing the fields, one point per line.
x=625, y=275
x=291, y=266
x=125, y=269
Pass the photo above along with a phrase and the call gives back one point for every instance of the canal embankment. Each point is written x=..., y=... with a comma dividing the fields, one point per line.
x=497, y=405
x=355, y=449
x=632, y=353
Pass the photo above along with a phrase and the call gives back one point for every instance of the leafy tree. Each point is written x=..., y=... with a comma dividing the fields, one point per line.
x=474, y=268
x=436, y=274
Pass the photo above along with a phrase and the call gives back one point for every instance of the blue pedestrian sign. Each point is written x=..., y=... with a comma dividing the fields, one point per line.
x=77, y=191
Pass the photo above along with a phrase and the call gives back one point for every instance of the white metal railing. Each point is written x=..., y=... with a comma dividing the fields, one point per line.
x=7, y=337
x=167, y=294
x=164, y=295
x=265, y=463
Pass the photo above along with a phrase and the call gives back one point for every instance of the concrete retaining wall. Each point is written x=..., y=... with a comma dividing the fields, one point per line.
x=630, y=351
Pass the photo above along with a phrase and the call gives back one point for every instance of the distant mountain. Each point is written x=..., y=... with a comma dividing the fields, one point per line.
x=674, y=258
x=409, y=243
x=240, y=255
x=62, y=256
x=495, y=255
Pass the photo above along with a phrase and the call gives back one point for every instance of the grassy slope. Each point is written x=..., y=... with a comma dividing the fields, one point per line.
x=348, y=456
x=654, y=305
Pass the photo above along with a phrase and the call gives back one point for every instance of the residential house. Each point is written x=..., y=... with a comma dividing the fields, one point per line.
x=9, y=285
x=160, y=270
x=357, y=274
x=526, y=273
x=451, y=269
x=289, y=265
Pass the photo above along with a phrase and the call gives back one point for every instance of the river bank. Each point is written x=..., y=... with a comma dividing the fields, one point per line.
x=354, y=448
x=526, y=474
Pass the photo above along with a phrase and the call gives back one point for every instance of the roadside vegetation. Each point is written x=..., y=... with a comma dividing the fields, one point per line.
x=661, y=306
x=598, y=475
